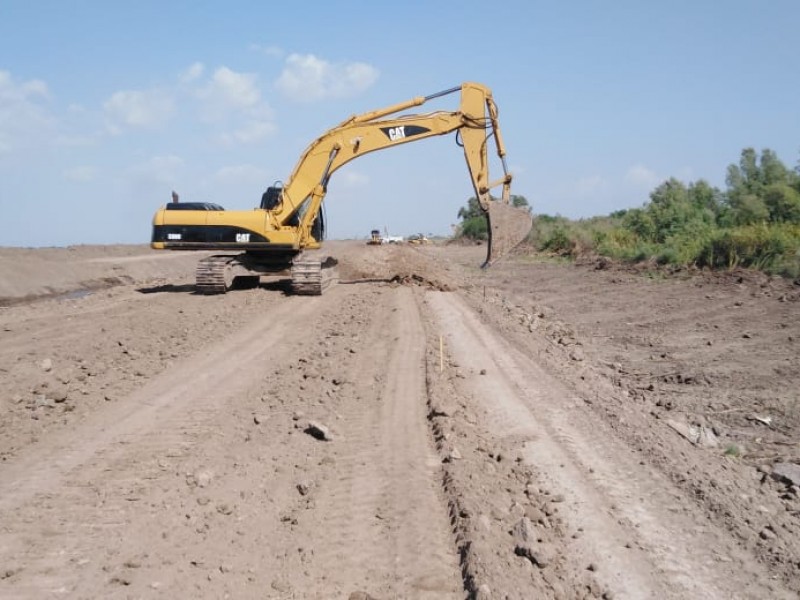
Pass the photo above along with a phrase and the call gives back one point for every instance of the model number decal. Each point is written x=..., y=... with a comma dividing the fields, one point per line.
x=242, y=237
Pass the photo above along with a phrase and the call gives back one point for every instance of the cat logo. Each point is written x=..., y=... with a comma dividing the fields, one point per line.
x=242, y=237
x=401, y=132
x=397, y=133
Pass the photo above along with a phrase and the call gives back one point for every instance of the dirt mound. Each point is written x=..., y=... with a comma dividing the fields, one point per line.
x=394, y=263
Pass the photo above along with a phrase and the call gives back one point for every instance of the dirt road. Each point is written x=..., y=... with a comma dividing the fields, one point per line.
x=424, y=430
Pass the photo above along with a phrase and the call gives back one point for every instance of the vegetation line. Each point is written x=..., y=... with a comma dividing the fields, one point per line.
x=754, y=223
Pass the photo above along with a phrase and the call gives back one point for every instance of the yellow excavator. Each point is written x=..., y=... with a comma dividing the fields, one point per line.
x=284, y=234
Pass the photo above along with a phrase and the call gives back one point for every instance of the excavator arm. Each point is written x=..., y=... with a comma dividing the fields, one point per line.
x=476, y=121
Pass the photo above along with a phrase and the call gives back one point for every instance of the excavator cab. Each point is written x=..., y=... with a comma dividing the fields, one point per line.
x=272, y=197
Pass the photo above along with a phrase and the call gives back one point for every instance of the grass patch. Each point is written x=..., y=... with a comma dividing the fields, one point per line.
x=733, y=450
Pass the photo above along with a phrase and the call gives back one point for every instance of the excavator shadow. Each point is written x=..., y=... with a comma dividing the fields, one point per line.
x=167, y=288
x=275, y=285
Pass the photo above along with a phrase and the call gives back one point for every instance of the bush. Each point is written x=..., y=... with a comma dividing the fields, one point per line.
x=616, y=242
x=668, y=256
x=771, y=248
x=558, y=241
x=475, y=228
x=687, y=245
x=755, y=223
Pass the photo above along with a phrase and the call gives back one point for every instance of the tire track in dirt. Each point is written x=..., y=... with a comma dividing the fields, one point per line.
x=385, y=507
x=643, y=548
x=173, y=489
x=220, y=372
x=88, y=478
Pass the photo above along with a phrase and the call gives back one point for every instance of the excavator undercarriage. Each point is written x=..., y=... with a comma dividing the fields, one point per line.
x=311, y=272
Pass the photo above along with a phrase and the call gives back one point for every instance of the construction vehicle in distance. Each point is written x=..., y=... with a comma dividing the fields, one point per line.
x=284, y=234
x=418, y=239
x=375, y=238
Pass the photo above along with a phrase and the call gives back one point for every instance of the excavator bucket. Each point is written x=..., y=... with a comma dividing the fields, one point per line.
x=508, y=227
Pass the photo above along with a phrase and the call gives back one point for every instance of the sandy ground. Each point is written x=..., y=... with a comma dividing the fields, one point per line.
x=424, y=430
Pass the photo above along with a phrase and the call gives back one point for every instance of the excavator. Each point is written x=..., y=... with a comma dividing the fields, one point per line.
x=285, y=233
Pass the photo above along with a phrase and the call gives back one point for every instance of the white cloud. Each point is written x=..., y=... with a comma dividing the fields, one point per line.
x=195, y=71
x=271, y=51
x=232, y=101
x=228, y=90
x=80, y=174
x=240, y=174
x=641, y=176
x=22, y=116
x=248, y=133
x=229, y=100
x=306, y=78
x=14, y=92
x=147, y=109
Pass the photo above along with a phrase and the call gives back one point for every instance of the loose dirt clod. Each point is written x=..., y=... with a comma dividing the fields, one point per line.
x=318, y=431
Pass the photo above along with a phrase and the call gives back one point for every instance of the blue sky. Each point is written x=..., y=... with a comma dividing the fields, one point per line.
x=106, y=107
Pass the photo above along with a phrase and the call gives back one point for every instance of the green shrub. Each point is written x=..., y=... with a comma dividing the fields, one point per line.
x=755, y=223
x=558, y=241
x=475, y=228
x=617, y=242
x=771, y=248
x=668, y=256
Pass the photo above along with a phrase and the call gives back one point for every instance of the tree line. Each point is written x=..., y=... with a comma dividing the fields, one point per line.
x=754, y=222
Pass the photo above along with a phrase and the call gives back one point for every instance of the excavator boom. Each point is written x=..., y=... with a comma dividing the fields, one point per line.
x=289, y=220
